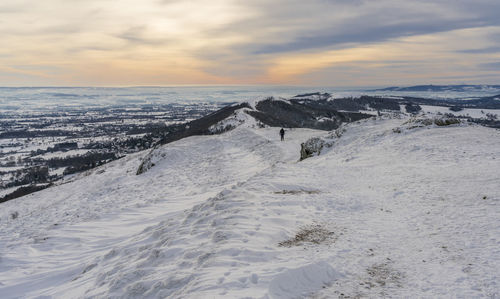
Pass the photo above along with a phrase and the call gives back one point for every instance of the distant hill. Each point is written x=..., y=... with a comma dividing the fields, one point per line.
x=321, y=114
x=314, y=111
x=436, y=88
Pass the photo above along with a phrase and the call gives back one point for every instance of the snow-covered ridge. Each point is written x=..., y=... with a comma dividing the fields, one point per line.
x=265, y=111
x=315, y=111
x=318, y=145
x=411, y=214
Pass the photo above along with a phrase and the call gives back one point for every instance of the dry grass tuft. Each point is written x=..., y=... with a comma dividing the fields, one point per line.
x=315, y=234
x=296, y=192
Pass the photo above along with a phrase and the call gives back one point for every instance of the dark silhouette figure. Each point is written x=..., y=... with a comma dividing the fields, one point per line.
x=282, y=134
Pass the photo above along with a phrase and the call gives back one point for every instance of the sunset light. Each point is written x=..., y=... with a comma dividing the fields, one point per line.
x=172, y=42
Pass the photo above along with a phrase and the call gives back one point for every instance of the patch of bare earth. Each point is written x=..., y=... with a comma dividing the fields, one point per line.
x=382, y=274
x=297, y=192
x=313, y=234
x=381, y=278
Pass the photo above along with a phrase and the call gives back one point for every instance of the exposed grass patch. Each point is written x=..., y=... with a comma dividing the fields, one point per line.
x=296, y=192
x=315, y=234
x=383, y=274
x=423, y=122
x=446, y=122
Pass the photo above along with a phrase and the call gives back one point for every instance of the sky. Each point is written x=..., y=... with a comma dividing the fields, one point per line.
x=219, y=42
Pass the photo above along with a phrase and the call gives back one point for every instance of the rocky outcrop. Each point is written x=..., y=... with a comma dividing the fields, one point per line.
x=311, y=148
x=146, y=163
x=314, y=146
x=423, y=121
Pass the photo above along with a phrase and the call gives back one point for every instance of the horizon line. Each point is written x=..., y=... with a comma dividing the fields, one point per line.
x=243, y=85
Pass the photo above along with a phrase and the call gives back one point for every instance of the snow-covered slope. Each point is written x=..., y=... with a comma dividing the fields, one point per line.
x=383, y=212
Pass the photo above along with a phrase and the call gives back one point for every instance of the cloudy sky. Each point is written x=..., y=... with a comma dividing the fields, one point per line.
x=286, y=42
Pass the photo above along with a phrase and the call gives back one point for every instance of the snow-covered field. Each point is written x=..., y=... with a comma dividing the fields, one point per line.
x=474, y=113
x=379, y=214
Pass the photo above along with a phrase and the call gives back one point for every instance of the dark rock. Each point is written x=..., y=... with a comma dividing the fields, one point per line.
x=311, y=147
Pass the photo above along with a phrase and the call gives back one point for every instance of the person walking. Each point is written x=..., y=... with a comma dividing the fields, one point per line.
x=282, y=134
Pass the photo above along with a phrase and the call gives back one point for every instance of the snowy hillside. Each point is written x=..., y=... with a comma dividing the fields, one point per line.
x=391, y=208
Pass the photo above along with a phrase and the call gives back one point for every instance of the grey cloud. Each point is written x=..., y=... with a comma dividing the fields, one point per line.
x=61, y=29
x=11, y=8
x=345, y=2
x=349, y=34
x=168, y=1
x=284, y=26
x=89, y=48
x=495, y=66
x=36, y=67
x=381, y=26
x=231, y=65
x=495, y=37
x=471, y=77
x=487, y=50
x=384, y=76
x=138, y=35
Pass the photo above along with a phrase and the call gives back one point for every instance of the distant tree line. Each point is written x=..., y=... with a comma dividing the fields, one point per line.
x=25, y=190
x=35, y=134
x=90, y=159
x=30, y=175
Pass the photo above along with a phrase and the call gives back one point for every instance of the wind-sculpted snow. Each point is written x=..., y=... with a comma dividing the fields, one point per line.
x=317, y=145
x=160, y=154
x=303, y=281
x=412, y=214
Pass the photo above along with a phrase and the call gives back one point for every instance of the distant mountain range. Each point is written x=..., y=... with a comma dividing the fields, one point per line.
x=436, y=88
